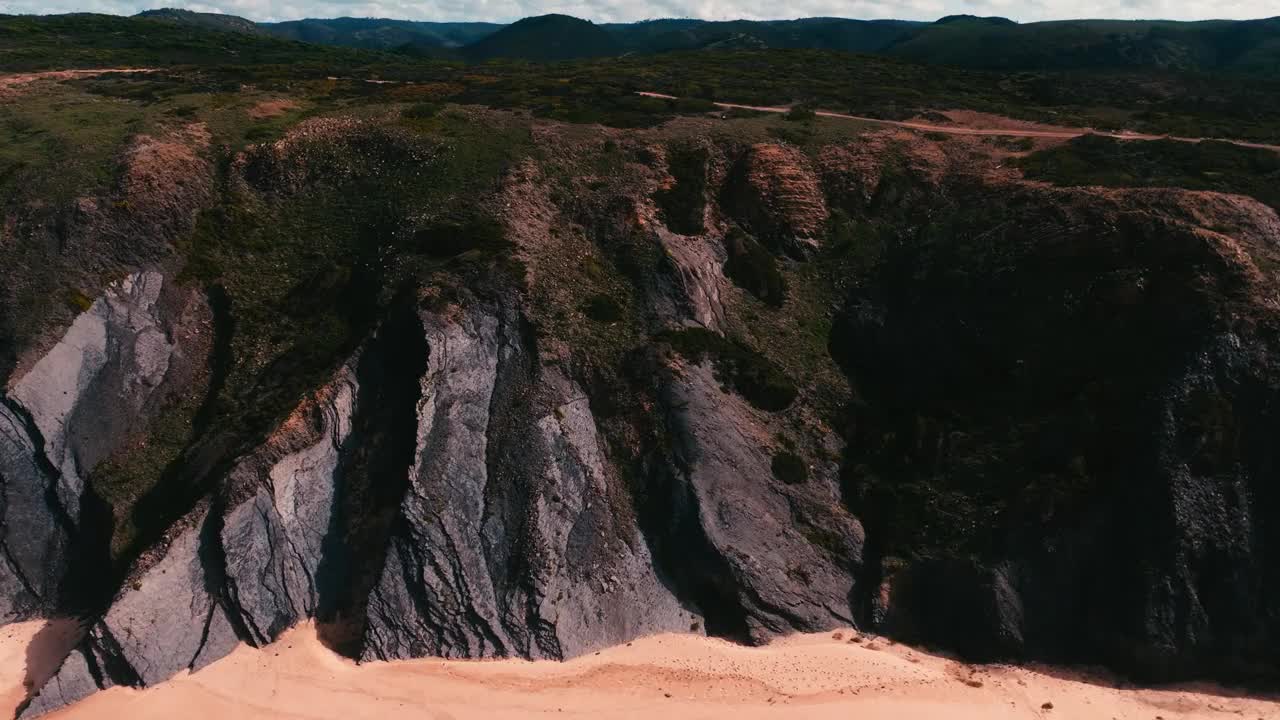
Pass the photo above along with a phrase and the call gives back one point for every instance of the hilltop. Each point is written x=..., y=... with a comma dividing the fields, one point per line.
x=992, y=43
x=545, y=38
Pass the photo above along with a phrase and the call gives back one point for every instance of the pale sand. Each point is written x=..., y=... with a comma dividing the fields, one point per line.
x=668, y=677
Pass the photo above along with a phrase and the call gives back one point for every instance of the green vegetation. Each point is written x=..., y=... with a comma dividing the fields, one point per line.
x=544, y=38
x=57, y=144
x=310, y=240
x=404, y=36
x=305, y=258
x=422, y=111
x=737, y=366
x=961, y=40
x=800, y=113
x=86, y=40
x=1222, y=167
x=602, y=308
x=1222, y=46
x=603, y=90
x=789, y=468
x=123, y=480
x=753, y=268
x=683, y=203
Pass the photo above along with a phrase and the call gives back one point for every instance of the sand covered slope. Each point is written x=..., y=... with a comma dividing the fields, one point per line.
x=825, y=675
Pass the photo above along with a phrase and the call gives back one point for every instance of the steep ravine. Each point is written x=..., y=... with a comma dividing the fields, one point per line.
x=1006, y=419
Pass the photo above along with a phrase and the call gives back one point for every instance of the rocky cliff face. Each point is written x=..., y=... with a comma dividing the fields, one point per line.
x=507, y=541
x=1094, y=424
x=136, y=344
x=1008, y=419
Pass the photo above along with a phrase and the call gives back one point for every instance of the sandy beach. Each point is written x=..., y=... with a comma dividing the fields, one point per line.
x=829, y=675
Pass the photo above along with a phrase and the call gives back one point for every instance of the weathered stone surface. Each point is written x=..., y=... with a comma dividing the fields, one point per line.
x=74, y=681
x=157, y=624
x=33, y=534
x=508, y=545
x=436, y=595
x=696, y=275
x=76, y=403
x=769, y=577
x=84, y=392
x=273, y=539
x=775, y=194
x=596, y=585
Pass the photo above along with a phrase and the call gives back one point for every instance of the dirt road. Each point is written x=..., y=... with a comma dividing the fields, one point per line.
x=1061, y=134
x=9, y=83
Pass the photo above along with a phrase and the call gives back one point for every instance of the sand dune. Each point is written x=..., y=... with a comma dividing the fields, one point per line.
x=672, y=677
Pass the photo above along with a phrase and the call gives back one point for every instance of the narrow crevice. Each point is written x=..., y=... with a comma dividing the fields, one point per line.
x=213, y=560
x=701, y=575
x=373, y=474
x=114, y=665
x=204, y=633
x=509, y=454
x=89, y=582
x=221, y=357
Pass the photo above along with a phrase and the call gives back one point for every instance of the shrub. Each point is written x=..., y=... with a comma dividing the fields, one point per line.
x=753, y=268
x=682, y=204
x=602, y=308
x=737, y=366
x=789, y=468
x=422, y=111
x=800, y=113
x=453, y=236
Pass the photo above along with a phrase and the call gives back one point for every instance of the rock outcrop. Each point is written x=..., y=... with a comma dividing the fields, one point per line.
x=1100, y=424
x=1007, y=419
x=243, y=568
x=143, y=339
x=755, y=568
x=507, y=541
x=774, y=193
x=35, y=530
x=164, y=621
x=274, y=532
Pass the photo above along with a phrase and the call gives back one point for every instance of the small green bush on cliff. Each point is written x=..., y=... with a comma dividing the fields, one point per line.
x=789, y=468
x=683, y=203
x=753, y=268
x=602, y=308
x=739, y=367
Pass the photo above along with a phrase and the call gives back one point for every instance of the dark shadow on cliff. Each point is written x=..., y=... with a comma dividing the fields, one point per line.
x=374, y=474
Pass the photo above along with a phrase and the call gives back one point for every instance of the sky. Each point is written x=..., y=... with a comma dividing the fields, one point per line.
x=630, y=10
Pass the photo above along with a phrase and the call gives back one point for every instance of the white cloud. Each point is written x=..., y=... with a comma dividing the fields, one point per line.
x=627, y=10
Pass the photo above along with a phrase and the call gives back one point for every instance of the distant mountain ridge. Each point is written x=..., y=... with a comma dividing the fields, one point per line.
x=212, y=21
x=379, y=33
x=546, y=38
x=985, y=43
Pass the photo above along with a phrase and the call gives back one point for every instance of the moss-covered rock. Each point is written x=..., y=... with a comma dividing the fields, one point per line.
x=789, y=468
x=684, y=202
x=753, y=268
x=740, y=368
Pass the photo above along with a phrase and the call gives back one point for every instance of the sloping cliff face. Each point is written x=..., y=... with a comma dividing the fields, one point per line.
x=137, y=344
x=1007, y=419
x=1095, y=445
x=506, y=542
